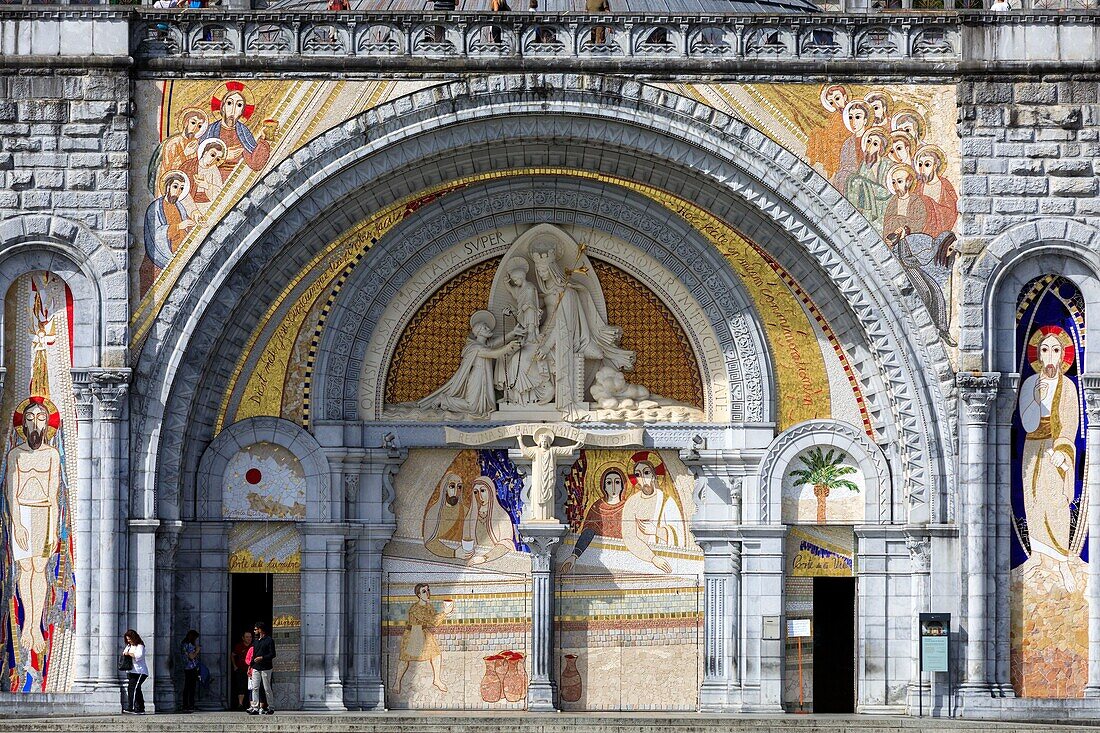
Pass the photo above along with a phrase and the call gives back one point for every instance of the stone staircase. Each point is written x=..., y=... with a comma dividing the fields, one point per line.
x=513, y=722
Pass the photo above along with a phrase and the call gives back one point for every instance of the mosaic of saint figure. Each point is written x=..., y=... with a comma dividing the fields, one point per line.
x=36, y=576
x=191, y=167
x=1049, y=610
x=1049, y=406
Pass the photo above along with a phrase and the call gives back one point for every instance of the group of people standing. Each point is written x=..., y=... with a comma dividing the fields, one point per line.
x=252, y=660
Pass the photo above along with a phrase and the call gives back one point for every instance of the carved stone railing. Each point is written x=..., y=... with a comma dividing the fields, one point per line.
x=898, y=44
x=504, y=38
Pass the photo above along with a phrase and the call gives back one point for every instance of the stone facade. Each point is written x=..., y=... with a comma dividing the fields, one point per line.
x=850, y=419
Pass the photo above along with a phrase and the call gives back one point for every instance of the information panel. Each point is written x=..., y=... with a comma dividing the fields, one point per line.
x=935, y=642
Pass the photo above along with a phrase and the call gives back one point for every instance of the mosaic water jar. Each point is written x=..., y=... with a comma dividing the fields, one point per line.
x=492, y=686
x=515, y=676
x=570, y=680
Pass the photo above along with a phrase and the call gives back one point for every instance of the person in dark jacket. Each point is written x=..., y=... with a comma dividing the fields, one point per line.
x=263, y=652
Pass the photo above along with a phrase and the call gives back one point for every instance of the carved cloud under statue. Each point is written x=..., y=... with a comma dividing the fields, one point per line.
x=543, y=348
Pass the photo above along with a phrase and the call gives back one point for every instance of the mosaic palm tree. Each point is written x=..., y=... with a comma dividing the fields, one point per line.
x=825, y=472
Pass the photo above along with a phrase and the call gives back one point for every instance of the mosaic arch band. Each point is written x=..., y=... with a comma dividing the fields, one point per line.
x=1049, y=500
x=39, y=486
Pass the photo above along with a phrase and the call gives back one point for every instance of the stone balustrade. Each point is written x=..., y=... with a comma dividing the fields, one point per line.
x=883, y=44
x=510, y=36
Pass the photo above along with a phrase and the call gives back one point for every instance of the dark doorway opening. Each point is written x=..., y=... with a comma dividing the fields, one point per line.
x=834, y=645
x=250, y=600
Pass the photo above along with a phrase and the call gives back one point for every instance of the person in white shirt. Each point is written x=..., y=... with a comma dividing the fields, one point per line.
x=135, y=649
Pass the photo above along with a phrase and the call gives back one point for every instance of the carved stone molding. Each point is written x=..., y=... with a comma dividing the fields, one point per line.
x=920, y=552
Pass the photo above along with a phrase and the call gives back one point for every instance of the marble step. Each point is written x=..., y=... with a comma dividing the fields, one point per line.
x=512, y=722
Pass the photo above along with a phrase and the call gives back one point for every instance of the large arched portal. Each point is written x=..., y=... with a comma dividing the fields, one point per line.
x=544, y=331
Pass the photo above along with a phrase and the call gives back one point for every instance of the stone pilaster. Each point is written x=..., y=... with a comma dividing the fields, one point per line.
x=762, y=581
x=1091, y=385
x=541, y=538
x=141, y=590
x=999, y=514
x=919, y=545
x=110, y=389
x=168, y=541
x=721, y=690
x=368, y=476
x=323, y=605
x=87, y=602
x=977, y=392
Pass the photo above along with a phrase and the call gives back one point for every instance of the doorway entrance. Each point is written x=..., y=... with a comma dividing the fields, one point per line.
x=251, y=599
x=834, y=645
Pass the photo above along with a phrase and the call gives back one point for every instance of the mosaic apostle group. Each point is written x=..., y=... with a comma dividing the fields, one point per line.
x=877, y=155
x=193, y=166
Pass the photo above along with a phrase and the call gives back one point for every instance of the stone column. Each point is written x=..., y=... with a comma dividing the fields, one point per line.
x=164, y=690
x=322, y=616
x=919, y=545
x=85, y=670
x=1091, y=385
x=541, y=538
x=977, y=392
x=110, y=390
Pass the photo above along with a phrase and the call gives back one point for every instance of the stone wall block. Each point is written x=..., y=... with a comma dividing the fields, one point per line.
x=1078, y=92
x=23, y=144
x=20, y=180
x=35, y=110
x=992, y=93
x=93, y=111
x=36, y=200
x=84, y=129
x=1044, y=150
x=1025, y=167
x=80, y=180
x=50, y=179
x=1036, y=93
x=8, y=111
x=1063, y=207
x=7, y=161
x=80, y=144
x=1070, y=167
x=113, y=180
x=87, y=160
x=1075, y=186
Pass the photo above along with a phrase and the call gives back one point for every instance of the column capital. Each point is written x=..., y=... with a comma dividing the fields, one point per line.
x=541, y=538
x=109, y=386
x=978, y=390
x=1090, y=385
x=84, y=401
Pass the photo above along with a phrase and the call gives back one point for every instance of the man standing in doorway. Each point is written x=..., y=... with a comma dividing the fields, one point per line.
x=263, y=651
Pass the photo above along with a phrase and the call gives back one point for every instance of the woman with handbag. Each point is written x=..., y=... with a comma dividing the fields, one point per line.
x=132, y=662
x=190, y=650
